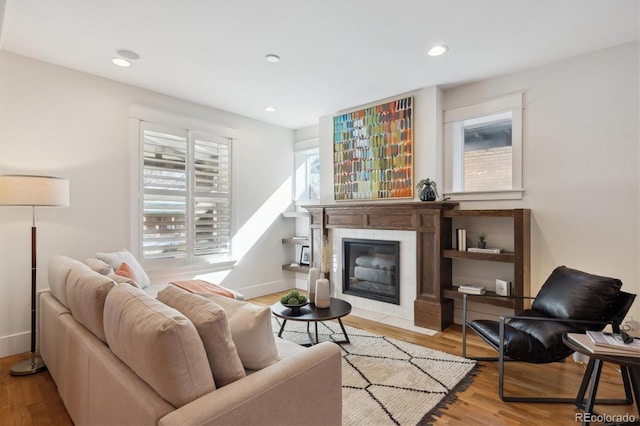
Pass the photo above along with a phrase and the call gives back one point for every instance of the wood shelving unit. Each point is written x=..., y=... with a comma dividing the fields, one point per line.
x=520, y=257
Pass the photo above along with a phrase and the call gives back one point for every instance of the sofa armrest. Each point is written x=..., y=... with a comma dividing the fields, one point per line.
x=305, y=388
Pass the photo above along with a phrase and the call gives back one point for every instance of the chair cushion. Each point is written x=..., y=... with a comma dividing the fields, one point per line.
x=531, y=341
x=572, y=294
x=158, y=343
x=213, y=327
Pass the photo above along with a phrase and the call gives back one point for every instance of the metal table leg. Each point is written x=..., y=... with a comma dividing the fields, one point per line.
x=595, y=378
x=284, y=321
x=346, y=337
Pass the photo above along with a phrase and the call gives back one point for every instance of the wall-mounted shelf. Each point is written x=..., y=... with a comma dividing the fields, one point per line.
x=298, y=269
x=304, y=242
x=295, y=214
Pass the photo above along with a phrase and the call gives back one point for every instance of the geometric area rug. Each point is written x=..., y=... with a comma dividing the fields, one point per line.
x=386, y=381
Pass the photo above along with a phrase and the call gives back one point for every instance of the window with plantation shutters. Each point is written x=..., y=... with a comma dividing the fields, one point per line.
x=186, y=195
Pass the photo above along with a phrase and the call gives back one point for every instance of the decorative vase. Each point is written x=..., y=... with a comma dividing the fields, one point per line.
x=428, y=193
x=482, y=244
x=323, y=298
x=314, y=275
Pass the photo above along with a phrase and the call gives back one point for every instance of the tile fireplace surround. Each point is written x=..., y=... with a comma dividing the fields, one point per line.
x=407, y=242
x=422, y=234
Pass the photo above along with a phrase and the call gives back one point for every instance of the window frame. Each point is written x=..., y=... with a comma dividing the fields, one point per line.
x=452, y=159
x=195, y=127
x=305, y=149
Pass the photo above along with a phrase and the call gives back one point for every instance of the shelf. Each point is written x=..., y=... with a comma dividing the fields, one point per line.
x=295, y=214
x=478, y=213
x=298, y=269
x=304, y=242
x=505, y=257
x=489, y=298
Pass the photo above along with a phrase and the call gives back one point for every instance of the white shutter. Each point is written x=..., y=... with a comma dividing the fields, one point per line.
x=186, y=194
x=212, y=195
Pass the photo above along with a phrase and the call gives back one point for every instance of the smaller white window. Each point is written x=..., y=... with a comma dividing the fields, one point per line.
x=483, y=150
x=307, y=175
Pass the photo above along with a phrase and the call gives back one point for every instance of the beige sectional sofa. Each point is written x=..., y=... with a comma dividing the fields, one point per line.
x=120, y=356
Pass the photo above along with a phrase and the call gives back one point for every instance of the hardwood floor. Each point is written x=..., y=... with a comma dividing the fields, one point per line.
x=29, y=400
x=34, y=400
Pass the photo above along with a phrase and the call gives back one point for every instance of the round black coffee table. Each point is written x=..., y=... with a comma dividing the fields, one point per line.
x=310, y=313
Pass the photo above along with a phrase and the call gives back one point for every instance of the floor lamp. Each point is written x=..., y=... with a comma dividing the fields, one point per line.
x=33, y=191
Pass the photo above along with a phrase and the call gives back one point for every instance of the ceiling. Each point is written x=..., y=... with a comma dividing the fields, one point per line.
x=335, y=54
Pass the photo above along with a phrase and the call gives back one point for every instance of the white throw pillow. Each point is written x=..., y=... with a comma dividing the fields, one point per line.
x=212, y=324
x=251, y=331
x=116, y=258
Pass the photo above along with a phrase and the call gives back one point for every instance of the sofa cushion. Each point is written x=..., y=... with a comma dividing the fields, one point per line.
x=213, y=327
x=58, y=271
x=206, y=287
x=115, y=259
x=98, y=265
x=251, y=331
x=158, y=343
x=86, y=293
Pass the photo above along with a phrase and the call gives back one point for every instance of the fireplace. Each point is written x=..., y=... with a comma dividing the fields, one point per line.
x=371, y=269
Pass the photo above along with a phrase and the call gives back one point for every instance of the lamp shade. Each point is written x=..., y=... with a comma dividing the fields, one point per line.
x=27, y=190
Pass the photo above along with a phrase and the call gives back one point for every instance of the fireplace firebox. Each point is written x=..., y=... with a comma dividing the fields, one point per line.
x=371, y=269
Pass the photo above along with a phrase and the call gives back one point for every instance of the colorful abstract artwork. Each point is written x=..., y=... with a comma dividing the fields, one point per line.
x=373, y=152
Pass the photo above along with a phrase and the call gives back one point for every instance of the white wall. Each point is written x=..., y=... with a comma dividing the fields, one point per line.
x=581, y=159
x=427, y=132
x=60, y=122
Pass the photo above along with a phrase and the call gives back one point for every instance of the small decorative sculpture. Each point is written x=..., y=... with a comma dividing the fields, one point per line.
x=428, y=190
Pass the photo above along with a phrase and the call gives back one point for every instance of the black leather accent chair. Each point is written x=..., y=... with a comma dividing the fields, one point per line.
x=570, y=301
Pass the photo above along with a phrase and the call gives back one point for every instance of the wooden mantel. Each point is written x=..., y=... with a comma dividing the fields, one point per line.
x=433, y=234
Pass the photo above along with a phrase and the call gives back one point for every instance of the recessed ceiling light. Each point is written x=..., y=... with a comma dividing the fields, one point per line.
x=270, y=108
x=438, y=50
x=129, y=54
x=272, y=58
x=121, y=62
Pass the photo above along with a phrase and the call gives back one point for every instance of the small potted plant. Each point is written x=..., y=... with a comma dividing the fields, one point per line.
x=482, y=243
x=428, y=190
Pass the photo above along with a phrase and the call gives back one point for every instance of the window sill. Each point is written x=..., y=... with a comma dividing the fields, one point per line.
x=164, y=274
x=510, y=194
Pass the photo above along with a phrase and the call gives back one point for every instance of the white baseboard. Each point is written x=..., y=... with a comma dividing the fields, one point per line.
x=15, y=344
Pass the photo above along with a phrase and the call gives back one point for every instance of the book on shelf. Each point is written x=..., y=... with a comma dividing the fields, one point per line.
x=461, y=239
x=493, y=250
x=472, y=289
x=613, y=341
x=585, y=342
